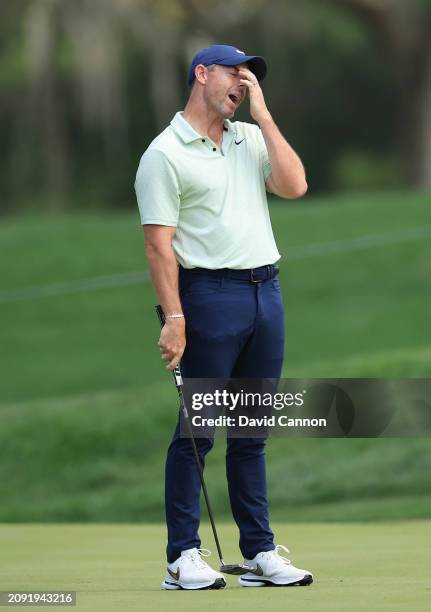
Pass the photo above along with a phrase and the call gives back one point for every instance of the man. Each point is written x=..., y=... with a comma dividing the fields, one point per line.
x=201, y=189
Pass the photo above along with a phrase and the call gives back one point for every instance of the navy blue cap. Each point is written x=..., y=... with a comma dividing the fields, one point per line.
x=227, y=56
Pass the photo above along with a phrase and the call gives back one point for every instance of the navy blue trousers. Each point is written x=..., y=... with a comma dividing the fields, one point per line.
x=233, y=329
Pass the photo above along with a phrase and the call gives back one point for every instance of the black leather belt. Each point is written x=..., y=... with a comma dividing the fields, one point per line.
x=252, y=275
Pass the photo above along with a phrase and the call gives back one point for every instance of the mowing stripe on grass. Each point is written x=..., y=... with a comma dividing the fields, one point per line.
x=106, y=281
x=360, y=243
x=110, y=281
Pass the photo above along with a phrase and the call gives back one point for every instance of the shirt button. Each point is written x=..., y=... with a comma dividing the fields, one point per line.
x=203, y=139
x=214, y=149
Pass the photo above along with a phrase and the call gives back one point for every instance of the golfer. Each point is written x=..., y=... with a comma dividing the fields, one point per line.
x=201, y=188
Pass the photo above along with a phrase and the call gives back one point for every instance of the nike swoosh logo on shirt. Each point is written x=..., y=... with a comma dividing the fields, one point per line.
x=239, y=141
x=174, y=575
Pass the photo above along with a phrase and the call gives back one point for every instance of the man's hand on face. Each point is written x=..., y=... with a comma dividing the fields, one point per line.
x=258, y=109
x=172, y=342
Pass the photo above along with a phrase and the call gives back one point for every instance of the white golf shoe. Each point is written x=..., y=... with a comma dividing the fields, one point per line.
x=271, y=569
x=191, y=572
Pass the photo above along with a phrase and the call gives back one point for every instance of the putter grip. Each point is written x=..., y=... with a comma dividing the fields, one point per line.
x=160, y=314
x=176, y=373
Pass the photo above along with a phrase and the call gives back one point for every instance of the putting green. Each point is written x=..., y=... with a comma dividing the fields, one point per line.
x=117, y=567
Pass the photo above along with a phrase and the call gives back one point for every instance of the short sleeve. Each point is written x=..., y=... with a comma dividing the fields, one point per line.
x=157, y=189
x=265, y=164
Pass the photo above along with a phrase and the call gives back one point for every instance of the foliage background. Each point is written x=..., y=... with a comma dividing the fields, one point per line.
x=86, y=85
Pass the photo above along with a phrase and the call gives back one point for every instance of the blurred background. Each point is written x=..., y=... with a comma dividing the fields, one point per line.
x=86, y=406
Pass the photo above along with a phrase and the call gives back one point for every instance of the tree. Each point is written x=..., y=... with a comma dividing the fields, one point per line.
x=78, y=48
x=402, y=29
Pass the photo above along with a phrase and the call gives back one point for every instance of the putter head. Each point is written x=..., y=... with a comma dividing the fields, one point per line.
x=235, y=569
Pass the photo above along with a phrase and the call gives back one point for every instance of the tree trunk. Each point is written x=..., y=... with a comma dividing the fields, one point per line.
x=403, y=33
x=424, y=128
x=45, y=101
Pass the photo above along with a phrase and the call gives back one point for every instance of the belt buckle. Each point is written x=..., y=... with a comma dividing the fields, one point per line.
x=253, y=280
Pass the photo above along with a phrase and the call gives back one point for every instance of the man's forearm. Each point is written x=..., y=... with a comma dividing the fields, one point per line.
x=287, y=170
x=287, y=177
x=164, y=274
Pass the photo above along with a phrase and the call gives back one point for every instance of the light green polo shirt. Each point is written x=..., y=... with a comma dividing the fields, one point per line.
x=214, y=196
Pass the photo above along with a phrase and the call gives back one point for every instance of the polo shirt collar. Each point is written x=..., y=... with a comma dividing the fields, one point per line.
x=188, y=134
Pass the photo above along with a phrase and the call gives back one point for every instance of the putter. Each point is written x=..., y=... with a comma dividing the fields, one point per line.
x=235, y=569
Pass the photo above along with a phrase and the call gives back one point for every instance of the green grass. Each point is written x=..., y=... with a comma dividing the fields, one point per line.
x=348, y=313
x=100, y=457
x=86, y=407
x=381, y=568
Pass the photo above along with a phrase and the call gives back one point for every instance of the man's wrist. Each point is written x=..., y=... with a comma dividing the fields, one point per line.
x=175, y=317
x=265, y=118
